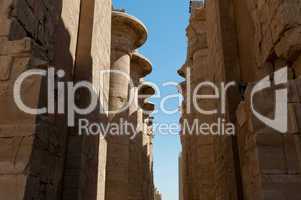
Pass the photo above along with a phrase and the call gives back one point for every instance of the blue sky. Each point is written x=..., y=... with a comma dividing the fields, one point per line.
x=166, y=48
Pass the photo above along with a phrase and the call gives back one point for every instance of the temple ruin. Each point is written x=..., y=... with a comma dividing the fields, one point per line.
x=41, y=157
x=242, y=41
x=253, y=44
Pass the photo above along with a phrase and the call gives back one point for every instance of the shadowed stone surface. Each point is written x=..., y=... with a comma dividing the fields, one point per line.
x=241, y=41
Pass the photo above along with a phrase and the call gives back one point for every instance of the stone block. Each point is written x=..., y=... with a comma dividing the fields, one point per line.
x=43, y=164
x=286, y=186
x=16, y=129
x=291, y=154
x=272, y=159
x=16, y=31
x=297, y=109
x=15, y=154
x=297, y=66
x=257, y=126
x=5, y=67
x=52, y=6
x=12, y=187
x=269, y=139
x=264, y=101
x=289, y=45
x=205, y=140
x=293, y=92
x=273, y=194
x=75, y=145
x=241, y=114
x=264, y=70
x=285, y=14
x=33, y=190
x=292, y=118
x=16, y=47
x=24, y=14
x=297, y=82
x=4, y=89
x=5, y=7
x=4, y=27
x=73, y=163
x=279, y=63
x=274, y=21
x=250, y=163
x=39, y=10
x=70, y=194
x=30, y=94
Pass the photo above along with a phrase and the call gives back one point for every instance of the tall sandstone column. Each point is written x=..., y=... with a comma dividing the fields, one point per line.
x=208, y=157
x=128, y=33
x=222, y=58
x=140, y=67
x=148, y=182
x=84, y=172
x=144, y=124
x=184, y=140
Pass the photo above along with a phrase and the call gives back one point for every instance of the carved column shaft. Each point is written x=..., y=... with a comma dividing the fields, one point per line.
x=140, y=67
x=128, y=33
x=147, y=142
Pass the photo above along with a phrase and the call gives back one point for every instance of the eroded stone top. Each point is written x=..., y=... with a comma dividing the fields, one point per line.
x=147, y=90
x=128, y=32
x=147, y=106
x=140, y=66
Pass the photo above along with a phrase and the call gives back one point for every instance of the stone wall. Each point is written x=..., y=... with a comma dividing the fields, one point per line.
x=41, y=157
x=270, y=161
x=42, y=34
x=209, y=159
x=242, y=41
x=32, y=147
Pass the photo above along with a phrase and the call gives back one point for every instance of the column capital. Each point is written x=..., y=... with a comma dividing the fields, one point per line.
x=149, y=107
x=128, y=32
x=140, y=66
x=147, y=90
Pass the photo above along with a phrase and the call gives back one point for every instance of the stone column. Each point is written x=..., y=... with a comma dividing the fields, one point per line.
x=140, y=67
x=147, y=154
x=145, y=92
x=209, y=158
x=90, y=31
x=186, y=154
x=145, y=109
x=128, y=33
